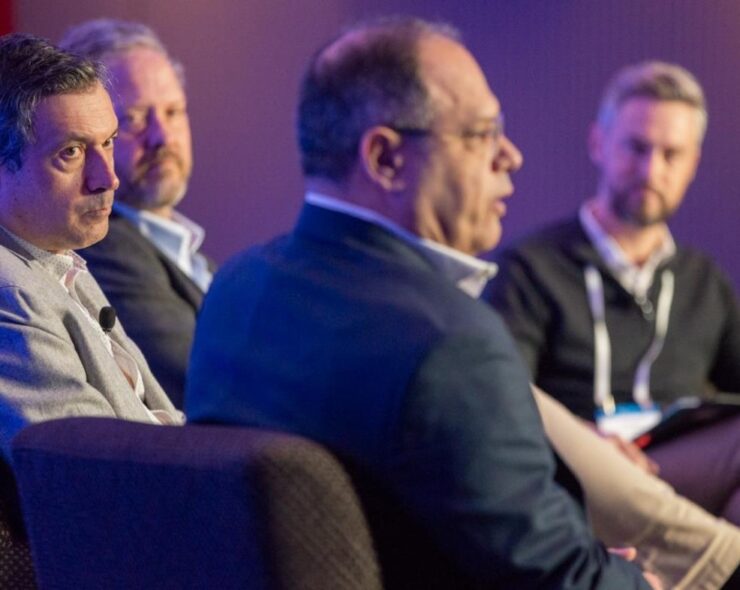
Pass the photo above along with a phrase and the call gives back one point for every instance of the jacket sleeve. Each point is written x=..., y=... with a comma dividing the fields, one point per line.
x=41, y=374
x=475, y=466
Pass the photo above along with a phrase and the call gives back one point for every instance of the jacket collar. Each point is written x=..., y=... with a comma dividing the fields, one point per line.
x=469, y=273
x=340, y=229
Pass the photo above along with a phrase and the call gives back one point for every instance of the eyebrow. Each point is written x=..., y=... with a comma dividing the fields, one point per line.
x=496, y=120
x=146, y=105
x=81, y=138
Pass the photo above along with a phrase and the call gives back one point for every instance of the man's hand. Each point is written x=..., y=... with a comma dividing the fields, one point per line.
x=629, y=554
x=633, y=453
x=629, y=450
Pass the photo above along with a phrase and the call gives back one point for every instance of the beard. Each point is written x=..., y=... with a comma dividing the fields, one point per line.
x=146, y=188
x=631, y=205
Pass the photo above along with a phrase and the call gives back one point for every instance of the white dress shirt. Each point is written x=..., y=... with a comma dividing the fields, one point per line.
x=470, y=274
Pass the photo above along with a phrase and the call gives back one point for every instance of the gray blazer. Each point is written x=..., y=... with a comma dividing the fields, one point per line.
x=155, y=300
x=52, y=360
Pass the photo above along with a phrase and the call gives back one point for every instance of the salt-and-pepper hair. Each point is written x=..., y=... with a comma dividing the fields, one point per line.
x=32, y=69
x=100, y=38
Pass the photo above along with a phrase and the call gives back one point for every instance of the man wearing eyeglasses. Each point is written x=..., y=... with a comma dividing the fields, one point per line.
x=360, y=328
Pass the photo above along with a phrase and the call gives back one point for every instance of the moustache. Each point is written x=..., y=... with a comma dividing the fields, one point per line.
x=644, y=186
x=155, y=158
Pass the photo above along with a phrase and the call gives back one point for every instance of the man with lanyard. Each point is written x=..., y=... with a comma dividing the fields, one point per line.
x=610, y=314
x=149, y=264
x=61, y=351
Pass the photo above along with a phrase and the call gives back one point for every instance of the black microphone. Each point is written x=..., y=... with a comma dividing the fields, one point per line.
x=107, y=318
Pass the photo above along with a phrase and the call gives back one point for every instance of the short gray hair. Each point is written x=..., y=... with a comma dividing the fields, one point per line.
x=31, y=69
x=655, y=80
x=99, y=38
x=368, y=75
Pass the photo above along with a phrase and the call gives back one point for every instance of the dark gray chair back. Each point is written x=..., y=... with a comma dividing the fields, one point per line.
x=113, y=504
x=16, y=567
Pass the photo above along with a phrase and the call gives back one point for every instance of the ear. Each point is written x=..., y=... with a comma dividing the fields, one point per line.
x=381, y=157
x=595, y=144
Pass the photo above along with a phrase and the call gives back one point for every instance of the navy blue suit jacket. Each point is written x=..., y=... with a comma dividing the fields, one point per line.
x=343, y=333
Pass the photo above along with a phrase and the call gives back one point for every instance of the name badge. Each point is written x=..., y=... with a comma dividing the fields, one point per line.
x=628, y=420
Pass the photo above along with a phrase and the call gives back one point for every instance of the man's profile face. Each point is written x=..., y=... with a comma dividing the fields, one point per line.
x=153, y=152
x=464, y=163
x=647, y=158
x=61, y=197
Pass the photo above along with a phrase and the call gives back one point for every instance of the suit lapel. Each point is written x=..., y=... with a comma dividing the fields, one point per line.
x=93, y=298
x=181, y=283
x=7, y=242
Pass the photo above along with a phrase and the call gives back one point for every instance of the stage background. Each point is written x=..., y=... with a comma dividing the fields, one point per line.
x=547, y=60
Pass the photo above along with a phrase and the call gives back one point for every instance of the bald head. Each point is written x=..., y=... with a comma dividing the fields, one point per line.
x=369, y=75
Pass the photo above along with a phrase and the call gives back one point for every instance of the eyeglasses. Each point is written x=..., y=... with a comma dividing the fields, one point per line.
x=493, y=132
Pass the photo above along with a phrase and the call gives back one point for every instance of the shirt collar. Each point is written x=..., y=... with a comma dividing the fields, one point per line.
x=177, y=236
x=470, y=274
x=57, y=265
x=635, y=279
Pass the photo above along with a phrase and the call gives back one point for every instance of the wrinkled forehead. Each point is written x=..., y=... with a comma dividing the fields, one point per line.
x=456, y=84
x=85, y=115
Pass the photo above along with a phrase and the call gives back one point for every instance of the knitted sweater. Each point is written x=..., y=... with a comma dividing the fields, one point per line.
x=541, y=292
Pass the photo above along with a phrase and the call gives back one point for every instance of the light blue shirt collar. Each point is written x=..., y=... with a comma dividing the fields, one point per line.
x=178, y=238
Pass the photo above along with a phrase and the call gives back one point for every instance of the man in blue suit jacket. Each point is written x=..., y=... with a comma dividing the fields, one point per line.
x=358, y=329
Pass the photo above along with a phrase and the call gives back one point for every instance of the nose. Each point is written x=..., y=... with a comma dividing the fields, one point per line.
x=156, y=131
x=651, y=164
x=508, y=158
x=100, y=175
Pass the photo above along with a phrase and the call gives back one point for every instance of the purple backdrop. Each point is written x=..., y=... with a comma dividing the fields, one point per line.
x=546, y=59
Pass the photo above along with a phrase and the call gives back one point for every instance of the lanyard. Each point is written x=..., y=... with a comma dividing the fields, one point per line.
x=603, y=397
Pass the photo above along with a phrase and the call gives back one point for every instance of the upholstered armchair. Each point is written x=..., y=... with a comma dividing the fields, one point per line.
x=16, y=567
x=113, y=504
